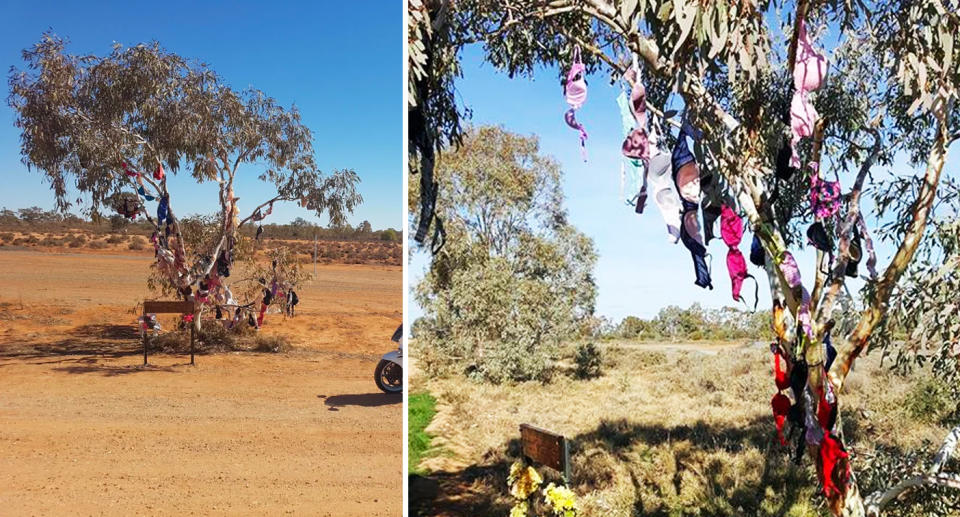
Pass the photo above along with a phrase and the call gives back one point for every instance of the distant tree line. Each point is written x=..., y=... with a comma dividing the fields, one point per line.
x=38, y=219
x=695, y=323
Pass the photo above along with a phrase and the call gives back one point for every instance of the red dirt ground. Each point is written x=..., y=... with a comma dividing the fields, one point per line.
x=85, y=430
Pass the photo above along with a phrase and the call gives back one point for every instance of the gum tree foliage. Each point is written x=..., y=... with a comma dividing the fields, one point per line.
x=891, y=91
x=514, y=279
x=82, y=116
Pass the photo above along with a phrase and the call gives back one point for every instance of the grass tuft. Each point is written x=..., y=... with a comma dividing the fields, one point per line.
x=421, y=409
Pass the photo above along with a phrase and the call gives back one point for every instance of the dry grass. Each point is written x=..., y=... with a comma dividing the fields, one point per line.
x=661, y=432
x=216, y=338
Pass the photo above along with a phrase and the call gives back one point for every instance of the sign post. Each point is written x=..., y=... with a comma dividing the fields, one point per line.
x=547, y=448
x=168, y=307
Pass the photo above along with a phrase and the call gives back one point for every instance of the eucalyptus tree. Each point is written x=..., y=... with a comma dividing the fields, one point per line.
x=114, y=128
x=515, y=278
x=891, y=91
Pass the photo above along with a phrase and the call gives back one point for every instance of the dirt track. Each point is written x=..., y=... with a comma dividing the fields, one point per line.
x=84, y=430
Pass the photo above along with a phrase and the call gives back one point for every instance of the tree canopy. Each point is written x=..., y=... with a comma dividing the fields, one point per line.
x=113, y=128
x=515, y=278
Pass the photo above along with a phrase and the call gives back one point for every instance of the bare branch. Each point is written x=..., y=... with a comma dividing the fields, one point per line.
x=876, y=501
x=946, y=451
x=264, y=204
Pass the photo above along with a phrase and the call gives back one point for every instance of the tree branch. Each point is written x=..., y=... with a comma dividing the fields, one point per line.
x=825, y=308
x=878, y=500
x=552, y=9
x=274, y=200
x=946, y=451
x=801, y=14
x=876, y=310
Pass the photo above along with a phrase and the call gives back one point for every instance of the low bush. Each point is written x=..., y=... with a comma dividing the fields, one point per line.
x=272, y=344
x=215, y=337
x=50, y=242
x=77, y=240
x=114, y=239
x=589, y=361
x=137, y=243
x=931, y=400
x=97, y=245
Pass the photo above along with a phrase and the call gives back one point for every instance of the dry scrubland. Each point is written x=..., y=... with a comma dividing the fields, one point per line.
x=329, y=252
x=665, y=431
x=84, y=430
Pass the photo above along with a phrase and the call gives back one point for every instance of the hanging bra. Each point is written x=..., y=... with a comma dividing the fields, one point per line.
x=575, y=91
x=731, y=230
x=143, y=193
x=757, y=258
x=162, y=209
x=636, y=171
x=808, y=72
x=259, y=216
x=126, y=169
x=810, y=65
x=824, y=195
x=636, y=145
x=791, y=273
x=710, y=215
x=686, y=175
x=664, y=192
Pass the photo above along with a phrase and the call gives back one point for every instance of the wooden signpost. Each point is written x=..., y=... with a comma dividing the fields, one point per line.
x=546, y=448
x=167, y=307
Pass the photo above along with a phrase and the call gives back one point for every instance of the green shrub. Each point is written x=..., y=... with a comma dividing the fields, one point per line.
x=389, y=235
x=930, y=400
x=589, y=361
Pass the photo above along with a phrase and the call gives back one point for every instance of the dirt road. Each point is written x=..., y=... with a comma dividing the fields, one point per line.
x=85, y=431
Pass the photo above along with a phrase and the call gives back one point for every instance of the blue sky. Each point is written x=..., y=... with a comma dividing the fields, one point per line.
x=638, y=270
x=342, y=67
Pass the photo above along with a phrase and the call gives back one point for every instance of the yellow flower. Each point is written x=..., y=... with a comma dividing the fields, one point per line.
x=519, y=509
x=523, y=480
x=561, y=499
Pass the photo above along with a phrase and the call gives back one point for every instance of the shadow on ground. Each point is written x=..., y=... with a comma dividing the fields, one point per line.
x=115, y=371
x=700, y=469
x=363, y=400
x=85, y=343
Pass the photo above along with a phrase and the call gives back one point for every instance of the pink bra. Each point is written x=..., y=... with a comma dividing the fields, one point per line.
x=731, y=230
x=808, y=72
x=810, y=65
x=575, y=91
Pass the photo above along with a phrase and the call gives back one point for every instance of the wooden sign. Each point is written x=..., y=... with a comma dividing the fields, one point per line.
x=167, y=307
x=546, y=448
